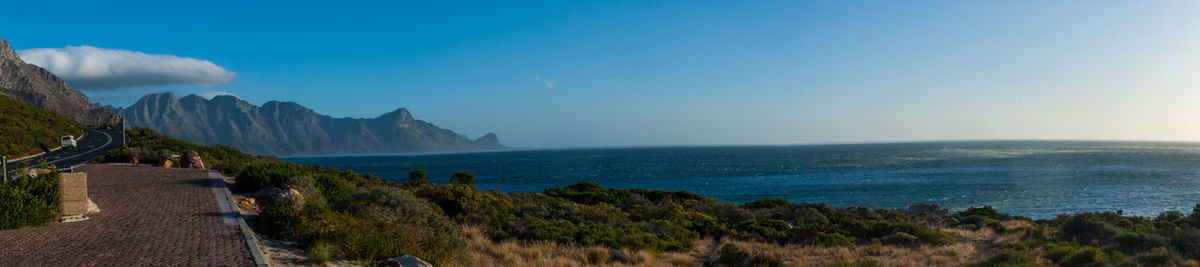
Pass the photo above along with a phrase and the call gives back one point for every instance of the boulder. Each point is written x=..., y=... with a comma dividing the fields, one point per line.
x=34, y=172
x=266, y=196
x=270, y=196
x=297, y=199
x=404, y=261
x=248, y=203
x=191, y=159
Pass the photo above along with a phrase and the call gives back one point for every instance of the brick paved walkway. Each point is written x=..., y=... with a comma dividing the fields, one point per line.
x=149, y=216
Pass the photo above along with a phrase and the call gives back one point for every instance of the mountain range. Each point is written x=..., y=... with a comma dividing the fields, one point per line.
x=275, y=128
x=36, y=86
x=287, y=128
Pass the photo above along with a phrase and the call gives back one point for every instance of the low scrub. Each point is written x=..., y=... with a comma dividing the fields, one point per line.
x=29, y=201
x=372, y=224
x=147, y=146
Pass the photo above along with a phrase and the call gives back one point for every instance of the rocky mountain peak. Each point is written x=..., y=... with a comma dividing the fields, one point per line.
x=288, y=128
x=192, y=97
x=489, y=140
x=400, y=116
x=7, y=54
x=37, y=86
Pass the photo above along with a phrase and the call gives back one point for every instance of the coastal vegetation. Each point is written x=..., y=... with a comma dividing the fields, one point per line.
x=147, y=146
x=338, y=214
x=29, y=201
x=26, y=129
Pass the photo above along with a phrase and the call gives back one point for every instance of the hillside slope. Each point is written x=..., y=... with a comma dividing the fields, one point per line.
x=287, y=128
x=34, y=85
x=26, y=129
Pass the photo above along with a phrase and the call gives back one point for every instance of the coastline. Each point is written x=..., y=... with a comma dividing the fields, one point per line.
x=1038, y=180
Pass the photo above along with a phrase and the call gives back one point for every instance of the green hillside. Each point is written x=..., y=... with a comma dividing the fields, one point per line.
x=26, y=129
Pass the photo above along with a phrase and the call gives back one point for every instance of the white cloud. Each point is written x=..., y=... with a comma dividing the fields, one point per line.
x=535, y=77
x=89, y=67
x=210, y=94
x=551, y=84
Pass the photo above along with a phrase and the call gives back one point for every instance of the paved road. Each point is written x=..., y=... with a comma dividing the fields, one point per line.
x=149, y=216
x=95, y=143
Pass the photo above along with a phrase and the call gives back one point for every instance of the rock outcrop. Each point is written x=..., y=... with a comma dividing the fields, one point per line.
x=287, y=128
x=191, y=159
x=34, y=85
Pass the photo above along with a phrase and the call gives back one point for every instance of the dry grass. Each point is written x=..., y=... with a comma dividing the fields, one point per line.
x=485, y=252
x=979, y=234
x=1009, y=224
x=972, y=247
x=795, y=255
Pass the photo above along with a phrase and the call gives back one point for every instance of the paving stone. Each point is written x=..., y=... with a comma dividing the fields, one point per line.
x=150, y=216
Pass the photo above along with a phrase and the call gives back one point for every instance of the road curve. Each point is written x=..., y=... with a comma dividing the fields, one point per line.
x=95, y=143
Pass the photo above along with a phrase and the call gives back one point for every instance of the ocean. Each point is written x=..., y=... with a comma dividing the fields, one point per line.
x=1037, y=179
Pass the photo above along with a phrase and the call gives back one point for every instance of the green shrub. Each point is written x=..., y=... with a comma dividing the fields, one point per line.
x=732, y=255
x=1085, y=256
x=367, y=239
x=29, y=201
x=282, y=220
x=122, y=155
x=416, y=177
x=1089, y=228
x=985, y=212
x=936, y=238
x=1061, y=252
x=1159, y=256
x=395, y=205
x=900, y=239
x=1009, y=257
x=458, y=200
x=307, y=187
x=1138, y=242
x=333, y=189
x=257, y=176
x=766, y=203
x=320, y=253
x=463, y=178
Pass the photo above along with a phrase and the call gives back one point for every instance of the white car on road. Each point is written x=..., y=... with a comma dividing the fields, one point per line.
x=68, y=141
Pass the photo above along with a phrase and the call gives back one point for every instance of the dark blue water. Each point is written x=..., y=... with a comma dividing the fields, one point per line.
x=1035, y=179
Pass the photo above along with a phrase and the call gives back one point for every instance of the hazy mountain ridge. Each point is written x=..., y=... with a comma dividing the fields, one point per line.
x=34, y=85
x=287, y=128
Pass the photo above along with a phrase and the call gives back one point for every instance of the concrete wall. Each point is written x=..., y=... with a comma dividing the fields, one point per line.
x=74, y=193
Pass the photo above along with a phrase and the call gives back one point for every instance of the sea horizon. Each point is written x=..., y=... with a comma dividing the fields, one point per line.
x=1038, y=179
x=522, y=149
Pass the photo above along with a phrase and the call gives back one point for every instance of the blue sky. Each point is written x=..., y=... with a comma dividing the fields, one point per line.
x=619, y=73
